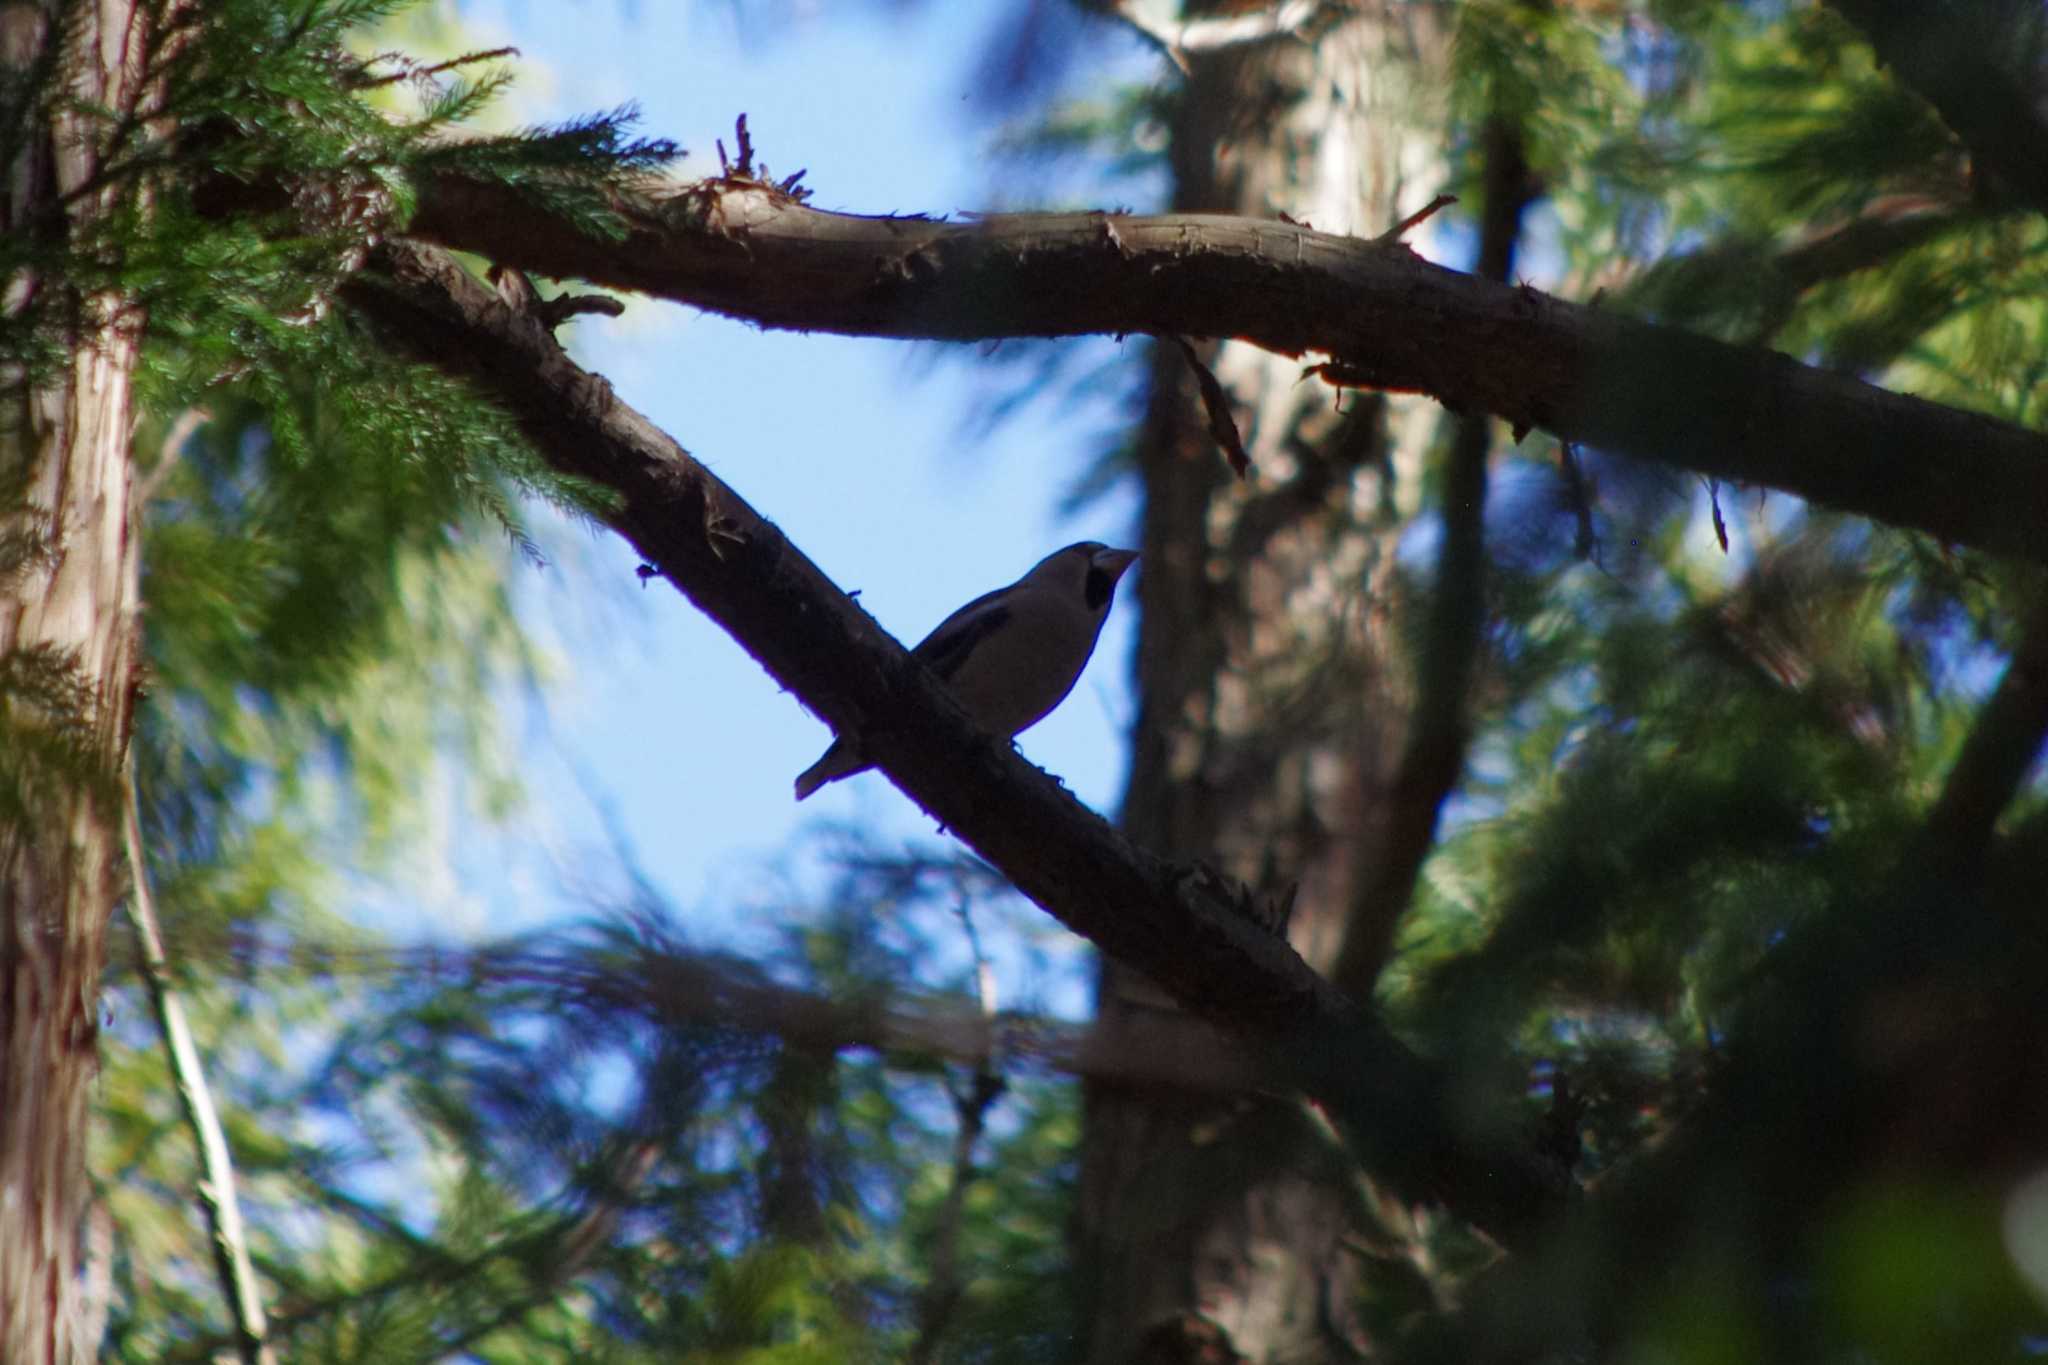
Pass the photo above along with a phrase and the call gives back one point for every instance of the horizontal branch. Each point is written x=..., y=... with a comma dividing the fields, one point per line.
x=681, y=987
x=1384, y=317
x=1164, y=921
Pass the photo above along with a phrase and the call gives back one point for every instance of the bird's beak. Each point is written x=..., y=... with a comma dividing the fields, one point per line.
x=1116, y=561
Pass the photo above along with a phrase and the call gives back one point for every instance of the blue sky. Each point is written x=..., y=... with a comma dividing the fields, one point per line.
x=868, y=454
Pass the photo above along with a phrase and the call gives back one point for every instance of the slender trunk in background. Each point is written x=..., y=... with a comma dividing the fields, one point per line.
x=68, y=651
x=1272, y=701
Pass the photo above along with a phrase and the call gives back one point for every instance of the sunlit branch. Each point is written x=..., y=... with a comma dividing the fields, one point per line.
x=216, y=1191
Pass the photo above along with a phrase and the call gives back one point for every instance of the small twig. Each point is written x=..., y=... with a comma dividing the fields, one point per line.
x=217, y=1179
x=408, y=71
x=168, y=454
x=1221, y=424
x=1720, y=525
x=1429, y=210
x=742, y=169
x=559, y=309
x=747, y=170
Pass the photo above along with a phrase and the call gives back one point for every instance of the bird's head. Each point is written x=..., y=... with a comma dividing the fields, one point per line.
x=1088, y=569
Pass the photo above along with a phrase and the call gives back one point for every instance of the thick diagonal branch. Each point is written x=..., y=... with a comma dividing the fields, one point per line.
x=1385, y=318
x=742, y=572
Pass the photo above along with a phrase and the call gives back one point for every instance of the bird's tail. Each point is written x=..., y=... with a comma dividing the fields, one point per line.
x=841, y=760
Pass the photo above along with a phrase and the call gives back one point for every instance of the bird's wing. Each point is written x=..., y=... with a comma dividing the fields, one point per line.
x=947, y=647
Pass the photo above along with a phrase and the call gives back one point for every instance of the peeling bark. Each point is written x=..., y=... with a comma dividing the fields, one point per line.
x=68, y=595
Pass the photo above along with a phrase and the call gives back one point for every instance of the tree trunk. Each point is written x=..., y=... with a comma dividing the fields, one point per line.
x=1272, y=704
x=68, y=649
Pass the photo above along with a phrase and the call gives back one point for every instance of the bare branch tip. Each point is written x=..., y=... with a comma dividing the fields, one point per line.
x=1426, y=212
x=1720, y=526
x=552, y=313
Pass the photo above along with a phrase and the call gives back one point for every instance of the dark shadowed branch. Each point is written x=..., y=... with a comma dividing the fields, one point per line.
x=1163, y=920
x=1884, y=233
x=2003, y=744
x=1978, y=63
x=1383, y=317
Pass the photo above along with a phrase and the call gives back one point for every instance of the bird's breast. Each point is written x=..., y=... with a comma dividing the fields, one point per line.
x=1016, y=676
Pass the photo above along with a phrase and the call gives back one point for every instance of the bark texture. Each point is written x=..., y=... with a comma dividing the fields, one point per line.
x=68, y=592
x=1272, y=706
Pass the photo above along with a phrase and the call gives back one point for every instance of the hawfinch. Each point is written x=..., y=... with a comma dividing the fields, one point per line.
x=1012, y=655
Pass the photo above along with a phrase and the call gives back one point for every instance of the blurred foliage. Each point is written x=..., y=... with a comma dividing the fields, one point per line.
x=1683, y=897
x=1687, y=895
x=548, y=1149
